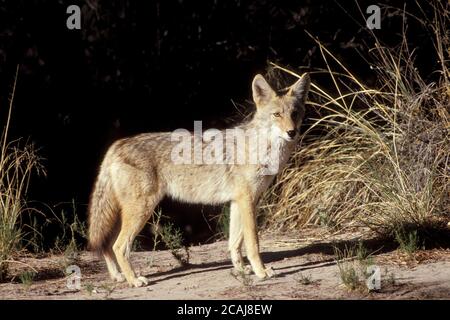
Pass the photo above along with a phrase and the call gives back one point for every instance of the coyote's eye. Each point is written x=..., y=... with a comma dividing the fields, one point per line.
x=277, y=114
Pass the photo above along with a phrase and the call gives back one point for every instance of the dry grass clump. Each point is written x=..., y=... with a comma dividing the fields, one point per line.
x=381, y=156
x=16, y=165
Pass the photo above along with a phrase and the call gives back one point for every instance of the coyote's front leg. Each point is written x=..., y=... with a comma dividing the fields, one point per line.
x=235, y=240
x=246, y=210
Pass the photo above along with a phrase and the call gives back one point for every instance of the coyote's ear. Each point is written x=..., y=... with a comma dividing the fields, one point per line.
x=300, y=88
x=262, y=92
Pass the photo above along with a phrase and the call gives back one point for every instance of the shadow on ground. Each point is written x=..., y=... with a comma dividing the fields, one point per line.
x=376, y=245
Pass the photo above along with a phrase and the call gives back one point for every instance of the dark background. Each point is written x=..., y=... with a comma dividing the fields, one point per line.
x=139, y=66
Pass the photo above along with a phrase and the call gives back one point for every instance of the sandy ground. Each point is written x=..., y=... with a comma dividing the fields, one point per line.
x=305, y=269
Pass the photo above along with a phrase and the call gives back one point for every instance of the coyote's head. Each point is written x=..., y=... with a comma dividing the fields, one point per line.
x=283, y=113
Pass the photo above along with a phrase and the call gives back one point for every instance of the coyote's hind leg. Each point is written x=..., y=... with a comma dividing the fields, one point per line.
x=111, y=263
x=134, y=218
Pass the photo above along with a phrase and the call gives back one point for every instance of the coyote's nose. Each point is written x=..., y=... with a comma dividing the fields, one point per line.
x=291, y=133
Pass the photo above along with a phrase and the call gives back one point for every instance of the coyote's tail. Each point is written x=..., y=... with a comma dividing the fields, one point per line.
x=104, y=213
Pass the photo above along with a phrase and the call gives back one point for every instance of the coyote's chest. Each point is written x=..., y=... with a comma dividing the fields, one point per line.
x=267, y=173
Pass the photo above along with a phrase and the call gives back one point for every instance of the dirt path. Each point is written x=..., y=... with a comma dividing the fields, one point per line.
x=305, y=269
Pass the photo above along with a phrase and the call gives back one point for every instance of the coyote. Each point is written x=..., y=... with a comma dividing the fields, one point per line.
x=137, y=172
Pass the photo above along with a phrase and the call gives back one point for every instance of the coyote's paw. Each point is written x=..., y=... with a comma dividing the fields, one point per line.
x=270, y=272
x=248, y=269
x=242, y=270
x=139, y=282
x=118, y=277
x=265, y=274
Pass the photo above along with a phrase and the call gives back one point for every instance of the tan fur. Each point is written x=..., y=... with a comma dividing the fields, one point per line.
x=138, y=172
